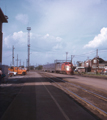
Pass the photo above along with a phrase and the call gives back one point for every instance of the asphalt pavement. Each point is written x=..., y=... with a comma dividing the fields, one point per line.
x=38, y=99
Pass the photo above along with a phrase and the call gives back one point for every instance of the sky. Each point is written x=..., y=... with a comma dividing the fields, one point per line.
x=78, y=27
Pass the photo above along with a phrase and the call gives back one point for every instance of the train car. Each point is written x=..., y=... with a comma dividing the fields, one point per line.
x=49, y=68
x=64, y=67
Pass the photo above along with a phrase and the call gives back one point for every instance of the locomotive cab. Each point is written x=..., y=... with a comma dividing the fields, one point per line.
x=67, y=67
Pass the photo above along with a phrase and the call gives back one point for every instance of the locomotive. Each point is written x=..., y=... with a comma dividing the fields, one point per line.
x=65, y=67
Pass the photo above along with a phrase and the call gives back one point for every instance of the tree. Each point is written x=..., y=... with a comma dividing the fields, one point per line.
x=39, y=67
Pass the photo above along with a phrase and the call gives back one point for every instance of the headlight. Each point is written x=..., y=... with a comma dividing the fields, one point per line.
x=67, y=68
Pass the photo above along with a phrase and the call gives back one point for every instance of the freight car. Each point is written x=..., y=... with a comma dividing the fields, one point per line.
x=65, y=67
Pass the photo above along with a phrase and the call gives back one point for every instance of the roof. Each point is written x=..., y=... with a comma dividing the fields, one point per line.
x=100, y=60
x=3, y=17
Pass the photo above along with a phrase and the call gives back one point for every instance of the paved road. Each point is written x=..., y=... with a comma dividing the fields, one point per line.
x=39, y=100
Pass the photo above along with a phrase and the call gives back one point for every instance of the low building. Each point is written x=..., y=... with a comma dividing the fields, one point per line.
x=3, y=19
x=95, y=65
x=80, y=67
x=87, y=65
x=98, y=64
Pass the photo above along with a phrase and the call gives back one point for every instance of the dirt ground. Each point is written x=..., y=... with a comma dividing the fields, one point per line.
x=94, y=82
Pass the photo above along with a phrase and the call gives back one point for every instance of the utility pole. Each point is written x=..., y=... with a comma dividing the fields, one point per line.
x=66, y=56
x=72, y=56
x=23, y=63
x=96, y=60
x=13, y=55
x=20, y=62
x=28, y=28
x=97, y=53
x=17, y=60
x=26, y=62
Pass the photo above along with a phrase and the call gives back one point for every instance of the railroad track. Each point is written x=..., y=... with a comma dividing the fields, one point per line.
x=88, y=91
x=67, y=87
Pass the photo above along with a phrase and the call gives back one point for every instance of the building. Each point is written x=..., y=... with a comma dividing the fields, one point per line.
x=80, y=67
x=98, y=64
x=95, y=65
x=87, y=65
x=3, y=19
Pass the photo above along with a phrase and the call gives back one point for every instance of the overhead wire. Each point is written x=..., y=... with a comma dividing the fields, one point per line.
x=41, y=49
x=37, y=49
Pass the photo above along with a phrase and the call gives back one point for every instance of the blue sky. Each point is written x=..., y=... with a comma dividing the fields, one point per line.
x=78, y=27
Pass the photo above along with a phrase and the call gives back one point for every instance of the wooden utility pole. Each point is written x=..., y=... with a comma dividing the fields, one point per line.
x=96, y=60
x=17, y=60
x=23, y=63
x=20, y=62
x=13, y=55
x=72, y=56
x=97, y=53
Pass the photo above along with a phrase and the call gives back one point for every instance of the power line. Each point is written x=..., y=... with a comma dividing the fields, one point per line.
x=44, y=51
x=39, y=49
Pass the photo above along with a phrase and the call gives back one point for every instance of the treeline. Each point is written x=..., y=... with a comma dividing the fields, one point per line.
x=39, y=67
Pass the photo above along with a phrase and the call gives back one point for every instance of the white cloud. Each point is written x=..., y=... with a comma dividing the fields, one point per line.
x=99, y=40
x=57, y=46
x=58, y=39
x=38, y=42
x=17, y=38
x=22, y=18
x=47, y=35
x=48, y=38
x=62, y=17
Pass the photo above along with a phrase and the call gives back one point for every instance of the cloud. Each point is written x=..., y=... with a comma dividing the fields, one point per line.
x=65, y=17
x=58, y=39
x=17, y=38
x=42, y=43
x=46, y=43
x=58, y=46
x=22, y=18
x=99, y=40
x=47, y=35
